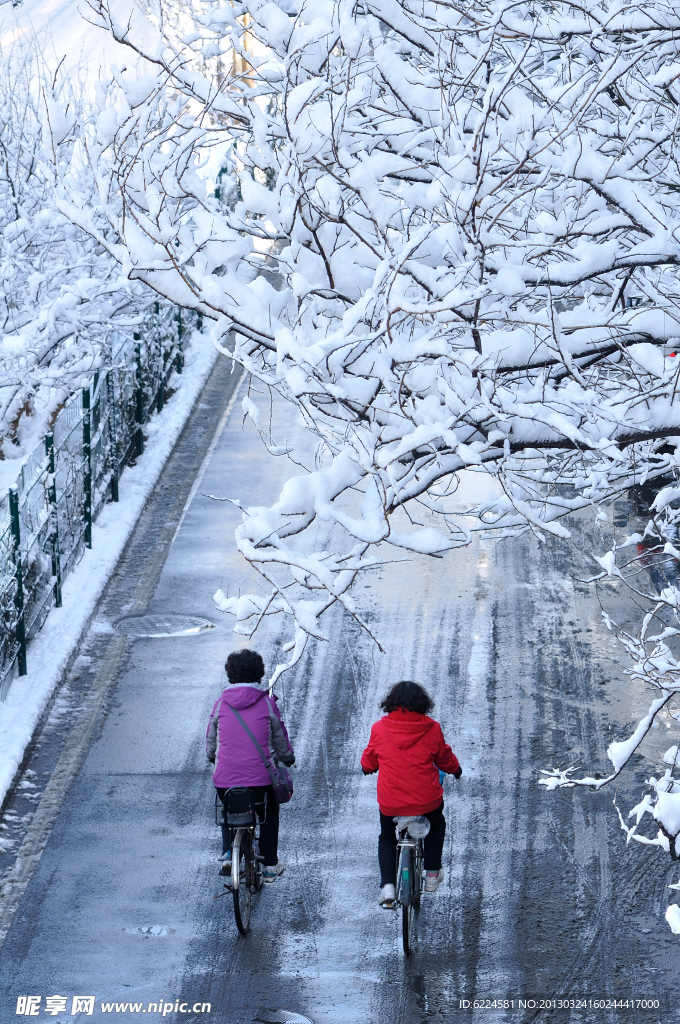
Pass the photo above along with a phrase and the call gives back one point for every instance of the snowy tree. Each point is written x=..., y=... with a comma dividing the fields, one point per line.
x=453, y=245
x=62, y=294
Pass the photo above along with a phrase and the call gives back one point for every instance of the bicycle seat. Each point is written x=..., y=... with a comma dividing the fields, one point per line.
x=239, y=807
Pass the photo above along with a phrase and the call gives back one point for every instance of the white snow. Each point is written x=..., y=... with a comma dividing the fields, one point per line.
x=51, y=651
x=160, y=931
x=667, y=811
x=64, y=31
x=665, y=496
x=635, y=538
x=608, y=563
x=673, y=917
x=618, y=753
x=365, y=334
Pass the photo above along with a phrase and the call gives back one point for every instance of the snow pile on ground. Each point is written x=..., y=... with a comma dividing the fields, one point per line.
x=52, y=650
x=673, y=918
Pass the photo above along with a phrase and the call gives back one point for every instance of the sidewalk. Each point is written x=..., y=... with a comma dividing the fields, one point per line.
x=51, y=652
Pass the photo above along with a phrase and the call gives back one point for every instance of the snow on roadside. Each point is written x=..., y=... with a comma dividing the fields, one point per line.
x=51, y=651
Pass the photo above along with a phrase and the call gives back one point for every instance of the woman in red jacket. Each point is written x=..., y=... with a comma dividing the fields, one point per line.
x=408, y=750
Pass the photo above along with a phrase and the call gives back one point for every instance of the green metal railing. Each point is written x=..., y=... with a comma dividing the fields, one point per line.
x=46, y=518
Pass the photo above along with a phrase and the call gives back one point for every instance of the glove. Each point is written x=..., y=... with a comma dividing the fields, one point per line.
x=458, y=774
x=212, y=760
x=365, y=772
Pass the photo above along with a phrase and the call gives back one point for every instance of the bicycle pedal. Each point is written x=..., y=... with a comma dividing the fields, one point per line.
x=389, y=906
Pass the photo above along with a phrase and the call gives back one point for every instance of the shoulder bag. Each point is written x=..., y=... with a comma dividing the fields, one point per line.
x=281, y=780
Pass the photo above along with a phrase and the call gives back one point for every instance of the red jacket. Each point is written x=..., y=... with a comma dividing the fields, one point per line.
x=407, y=750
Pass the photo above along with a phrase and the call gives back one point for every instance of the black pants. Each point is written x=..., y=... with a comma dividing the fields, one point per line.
x=433, y=844
x=268, y=815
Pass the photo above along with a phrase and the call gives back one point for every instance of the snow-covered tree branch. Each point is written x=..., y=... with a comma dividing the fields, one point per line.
x=452, y=245
x=62, y=295
x=641, y=564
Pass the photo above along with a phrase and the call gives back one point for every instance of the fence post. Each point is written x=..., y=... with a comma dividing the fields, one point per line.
x=179, y=363
x=19, y=577
x=113, y=435
x=139, y=396
x=87, y=467
x=54, y=517
x=160, y=400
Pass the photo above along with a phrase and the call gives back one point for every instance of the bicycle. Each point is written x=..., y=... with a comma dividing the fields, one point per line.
x=410, y=871
x=239, y=813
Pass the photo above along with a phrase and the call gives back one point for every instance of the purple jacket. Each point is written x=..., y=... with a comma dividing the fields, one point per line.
x=237, y=761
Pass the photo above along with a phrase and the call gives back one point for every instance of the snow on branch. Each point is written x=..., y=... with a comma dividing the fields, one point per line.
x=654, y=666
x=63, y=297
x=448, y=236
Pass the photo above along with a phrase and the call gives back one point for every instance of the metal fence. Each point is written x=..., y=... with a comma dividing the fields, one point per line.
x=46, y=518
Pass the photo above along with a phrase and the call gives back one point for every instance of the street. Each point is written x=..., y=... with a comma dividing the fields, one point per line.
x=542, y=898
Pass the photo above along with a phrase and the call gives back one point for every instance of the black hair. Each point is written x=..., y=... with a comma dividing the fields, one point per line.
x=408, y=696
x=244, y=667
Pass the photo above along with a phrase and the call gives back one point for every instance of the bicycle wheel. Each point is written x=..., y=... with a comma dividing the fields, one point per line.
x=257, y=868
x=240, y=869
x=418, y=867
x=406, y=880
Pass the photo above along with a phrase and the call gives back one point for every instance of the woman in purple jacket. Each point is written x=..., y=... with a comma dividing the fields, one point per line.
x=235, y=756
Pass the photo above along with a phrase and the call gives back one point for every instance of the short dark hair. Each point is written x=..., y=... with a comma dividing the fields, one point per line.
x=409, y=696
x=244, y=667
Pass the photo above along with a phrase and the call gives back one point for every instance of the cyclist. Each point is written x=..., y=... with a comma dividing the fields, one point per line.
x=236, y=758
x=408, y=750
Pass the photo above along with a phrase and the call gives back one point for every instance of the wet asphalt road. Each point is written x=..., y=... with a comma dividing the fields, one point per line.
x=542, y=898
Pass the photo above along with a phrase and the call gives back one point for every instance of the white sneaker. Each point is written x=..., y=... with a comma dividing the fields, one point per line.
x=432, y=882
x=272, y=871
x=225, y=863
x=388, y=895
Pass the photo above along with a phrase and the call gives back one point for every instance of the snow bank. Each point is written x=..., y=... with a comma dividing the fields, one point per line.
x=51, y=651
